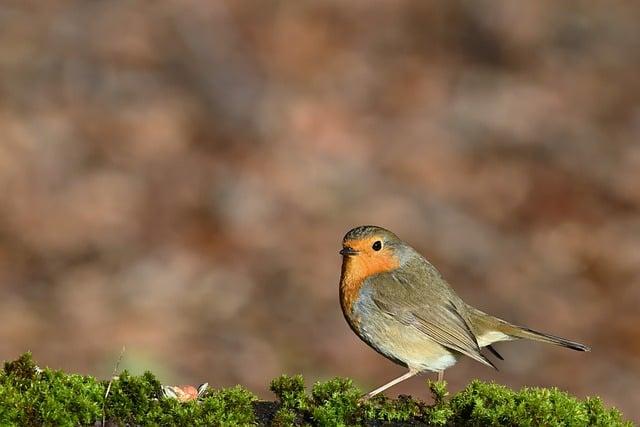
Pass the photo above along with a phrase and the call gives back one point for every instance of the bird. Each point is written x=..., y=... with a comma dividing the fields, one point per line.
x=399, y=304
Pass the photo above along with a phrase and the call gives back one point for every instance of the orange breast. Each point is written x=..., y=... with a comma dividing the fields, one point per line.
x=355, y=270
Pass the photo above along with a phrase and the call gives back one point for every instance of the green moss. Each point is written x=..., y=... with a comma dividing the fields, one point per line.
x=133, y=399
x=138, y=401
x=294, y=401
x=285, y=417
x=402, y=409
x=290, y=392
x=233, y=407
x=491, y=404
x=335, y=403
x=30, y=396
x=23, y=368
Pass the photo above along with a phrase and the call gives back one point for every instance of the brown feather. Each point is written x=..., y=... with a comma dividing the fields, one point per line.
x=418, y=296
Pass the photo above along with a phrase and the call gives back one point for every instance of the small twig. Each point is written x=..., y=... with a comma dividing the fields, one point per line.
x=115, y=371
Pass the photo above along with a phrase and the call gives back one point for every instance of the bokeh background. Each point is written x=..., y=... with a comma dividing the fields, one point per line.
x=176, y=178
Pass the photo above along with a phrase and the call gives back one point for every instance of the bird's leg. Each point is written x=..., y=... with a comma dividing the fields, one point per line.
x=440, y=375
x=390, y=384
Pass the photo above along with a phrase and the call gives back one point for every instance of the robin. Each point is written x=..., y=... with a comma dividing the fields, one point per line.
x=401, y=306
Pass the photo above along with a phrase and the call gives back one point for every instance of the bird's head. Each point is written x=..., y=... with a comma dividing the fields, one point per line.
x=368, y=250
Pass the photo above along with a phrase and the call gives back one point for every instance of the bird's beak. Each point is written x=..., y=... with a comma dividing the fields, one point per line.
x=346, y=251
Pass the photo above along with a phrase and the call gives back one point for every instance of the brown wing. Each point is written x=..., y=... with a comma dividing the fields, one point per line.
x=417, y=296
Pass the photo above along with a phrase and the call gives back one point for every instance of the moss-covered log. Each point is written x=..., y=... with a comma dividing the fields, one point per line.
x=30, y=396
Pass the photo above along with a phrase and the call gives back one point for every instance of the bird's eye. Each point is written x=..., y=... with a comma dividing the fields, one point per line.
x=377, y=245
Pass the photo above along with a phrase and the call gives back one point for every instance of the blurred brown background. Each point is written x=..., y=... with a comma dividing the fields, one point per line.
x=177, y=177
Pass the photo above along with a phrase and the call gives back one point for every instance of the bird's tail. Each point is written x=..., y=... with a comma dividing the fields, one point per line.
x=526, y=333
x=490, y=323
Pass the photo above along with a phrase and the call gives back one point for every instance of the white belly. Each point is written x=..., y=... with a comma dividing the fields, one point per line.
x=408, y=345
x=439, y=364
